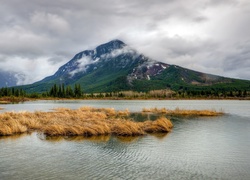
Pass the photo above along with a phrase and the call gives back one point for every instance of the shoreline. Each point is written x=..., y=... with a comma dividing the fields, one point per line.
x=11, y=100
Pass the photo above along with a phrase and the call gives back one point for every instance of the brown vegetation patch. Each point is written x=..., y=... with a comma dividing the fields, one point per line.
x=12, y=99
x=88, y=121
x=183, y=112
x=85, y=121
x=160, y=125
x=4, y=102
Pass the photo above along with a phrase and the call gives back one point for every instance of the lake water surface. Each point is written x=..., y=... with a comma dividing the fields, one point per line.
x=197, y=148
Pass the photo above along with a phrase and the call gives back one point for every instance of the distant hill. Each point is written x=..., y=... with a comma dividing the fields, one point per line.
x=114, y=66
x=8, y=79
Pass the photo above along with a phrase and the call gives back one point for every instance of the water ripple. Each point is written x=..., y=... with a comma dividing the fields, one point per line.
x=197, y=148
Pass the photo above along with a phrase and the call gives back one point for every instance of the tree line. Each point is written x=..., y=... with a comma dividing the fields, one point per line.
x=64, y=92
x=12, y=92
x=213, y=93
x=76, y=91
x=59, y=91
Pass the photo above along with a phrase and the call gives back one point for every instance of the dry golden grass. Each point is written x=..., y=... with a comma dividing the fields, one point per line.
x=183, y=112
x=88, y=121
x=85, y=121
x=123, y=113
x=160, y=125
x=127, y=128
x=12, y=126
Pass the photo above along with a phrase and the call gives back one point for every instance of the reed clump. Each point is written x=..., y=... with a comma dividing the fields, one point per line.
x=85, y=121
x=183, y=112
x=160, y=125
x=12, y=126
x=127, y=128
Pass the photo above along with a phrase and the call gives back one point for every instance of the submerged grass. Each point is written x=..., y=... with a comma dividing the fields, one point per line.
x=85, y=121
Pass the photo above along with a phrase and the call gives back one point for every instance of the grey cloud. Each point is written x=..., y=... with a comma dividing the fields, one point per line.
x=238, y=60
x=22, y=42
x=47, y=32
x=52, y=23
x=221, y=2
x=59, y=58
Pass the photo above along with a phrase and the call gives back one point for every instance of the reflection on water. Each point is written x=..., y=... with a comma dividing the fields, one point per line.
x=101, y=138
x=14, y=137
x=97, y=139
x=128, y=139
x=160, y=136
x=197, y=148
x=140, y=117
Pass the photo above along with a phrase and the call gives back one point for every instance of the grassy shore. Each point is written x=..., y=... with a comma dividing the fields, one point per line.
x=13, y=99
x=143, y=98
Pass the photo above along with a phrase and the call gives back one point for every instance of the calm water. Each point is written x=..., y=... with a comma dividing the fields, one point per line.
x=197, y=148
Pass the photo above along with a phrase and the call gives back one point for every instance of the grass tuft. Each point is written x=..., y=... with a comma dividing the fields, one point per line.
x=127, y=128
x=160, y=125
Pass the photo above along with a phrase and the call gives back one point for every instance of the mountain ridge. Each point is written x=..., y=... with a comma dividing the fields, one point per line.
x=114, y=66
x=10, y=78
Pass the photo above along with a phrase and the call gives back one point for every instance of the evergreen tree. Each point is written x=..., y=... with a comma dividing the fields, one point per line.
x=239, y=93
x=17, y=93
x=54, y=91
x=69, y=92
x=245, y=93
x=77, y=90
x=59, y=91
x=63, y=91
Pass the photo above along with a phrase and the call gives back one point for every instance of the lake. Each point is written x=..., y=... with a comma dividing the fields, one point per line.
x=197, y=147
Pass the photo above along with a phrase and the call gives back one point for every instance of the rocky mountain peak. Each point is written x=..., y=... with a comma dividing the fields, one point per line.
x=115, y=66
x=90, y=60
x=109, y=47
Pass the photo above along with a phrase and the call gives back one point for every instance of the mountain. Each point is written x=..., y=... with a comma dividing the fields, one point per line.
x=8, y=79
x=114, y=66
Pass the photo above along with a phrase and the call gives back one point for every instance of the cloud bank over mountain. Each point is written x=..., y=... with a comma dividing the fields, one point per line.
x=211, y=36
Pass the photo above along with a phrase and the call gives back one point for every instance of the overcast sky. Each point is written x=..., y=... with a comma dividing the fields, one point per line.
x=212, y=36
